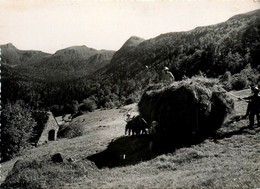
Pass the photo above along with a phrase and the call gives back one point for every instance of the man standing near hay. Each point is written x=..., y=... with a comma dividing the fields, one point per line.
x=127, y=127
x=253, y=108
x=167, y=76
x=154, y=134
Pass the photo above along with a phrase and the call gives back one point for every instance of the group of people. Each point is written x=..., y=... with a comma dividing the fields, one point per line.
x=253, y=108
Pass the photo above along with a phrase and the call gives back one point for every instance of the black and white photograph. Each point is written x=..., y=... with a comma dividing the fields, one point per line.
x=143, y=94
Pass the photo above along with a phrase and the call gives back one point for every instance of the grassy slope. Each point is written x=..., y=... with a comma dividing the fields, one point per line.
x=231, y=160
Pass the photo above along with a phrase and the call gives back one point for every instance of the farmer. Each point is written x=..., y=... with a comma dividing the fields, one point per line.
x=167, y=76
x=249, y=103
x=153, y=133
x=152, y=130
x=253, y=107
x=127, y=120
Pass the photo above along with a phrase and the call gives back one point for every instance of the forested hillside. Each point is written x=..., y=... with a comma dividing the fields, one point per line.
x=65, y=64
x=227, y=46
x=231, y=48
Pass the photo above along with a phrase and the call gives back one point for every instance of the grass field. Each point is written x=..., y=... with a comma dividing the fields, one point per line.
x=231, y=159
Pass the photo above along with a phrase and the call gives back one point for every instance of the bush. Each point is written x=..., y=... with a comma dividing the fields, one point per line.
x=129, y=101
x=71, y=130
x=247, y=77
x=226, y=80
x=88, y=105
x=239, y=82
x=17, y=129
x=109, y=105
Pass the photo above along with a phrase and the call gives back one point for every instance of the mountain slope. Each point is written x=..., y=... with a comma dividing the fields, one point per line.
x=81, y=60
x=65, y=64
x=12, y=56
x=126, y=49
x=214, y=49
x=232, y=46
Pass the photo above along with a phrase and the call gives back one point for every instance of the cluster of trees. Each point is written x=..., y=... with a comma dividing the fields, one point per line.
x=69, y=96
x=245, y=78
x=21, y=127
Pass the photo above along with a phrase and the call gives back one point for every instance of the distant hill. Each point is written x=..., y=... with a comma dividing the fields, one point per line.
x=125, y=50
x=65, y=64
x=108, y=78
x=12, y=56
x=214, y=49
x=231, y=46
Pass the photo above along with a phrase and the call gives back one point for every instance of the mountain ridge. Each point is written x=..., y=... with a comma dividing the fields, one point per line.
x=63, y=64
x=231, y=47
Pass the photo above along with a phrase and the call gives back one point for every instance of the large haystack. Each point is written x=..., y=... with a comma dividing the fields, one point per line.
x=194, y=106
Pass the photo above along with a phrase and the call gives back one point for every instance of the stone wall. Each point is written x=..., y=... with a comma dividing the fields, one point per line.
x=50, y=130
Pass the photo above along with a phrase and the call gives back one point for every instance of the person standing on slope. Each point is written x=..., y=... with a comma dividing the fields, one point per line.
x=167, y=76
x=128, y=125
x=253, y=108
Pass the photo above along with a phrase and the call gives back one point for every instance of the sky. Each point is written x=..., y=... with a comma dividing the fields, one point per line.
x=50, y=25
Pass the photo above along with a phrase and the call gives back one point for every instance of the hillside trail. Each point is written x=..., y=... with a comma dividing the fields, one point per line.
x=104, y=126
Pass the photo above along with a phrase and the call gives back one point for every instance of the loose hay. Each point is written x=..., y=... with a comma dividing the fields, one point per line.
x=186, y=108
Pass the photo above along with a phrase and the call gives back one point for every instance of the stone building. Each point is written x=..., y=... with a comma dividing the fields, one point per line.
x=50, y=130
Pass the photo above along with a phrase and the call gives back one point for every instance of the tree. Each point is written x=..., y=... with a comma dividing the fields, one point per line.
x=17, y=129
x=115, y=89
x=88, y=105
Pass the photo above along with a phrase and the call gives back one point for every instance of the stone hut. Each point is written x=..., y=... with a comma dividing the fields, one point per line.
x=50, y=130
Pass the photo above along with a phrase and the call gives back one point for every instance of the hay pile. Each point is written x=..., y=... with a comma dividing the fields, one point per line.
x=194, y=106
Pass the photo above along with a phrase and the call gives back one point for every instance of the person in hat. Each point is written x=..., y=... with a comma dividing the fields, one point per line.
x=249, y=103
x=253, y=106
x=128, y=117
x=167, y=76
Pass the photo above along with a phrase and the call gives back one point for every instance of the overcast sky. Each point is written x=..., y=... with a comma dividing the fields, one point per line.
x=50, y=25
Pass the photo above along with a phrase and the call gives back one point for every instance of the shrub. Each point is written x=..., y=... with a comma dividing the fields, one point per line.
x=88, y=105
x=109, y=105
x=226, y=80
x=129, y=100
x=239, y=81
x=17, y=129
x=71, y=130
x=247, y=77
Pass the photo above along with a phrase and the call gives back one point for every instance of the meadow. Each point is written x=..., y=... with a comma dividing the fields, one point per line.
x=230, y=159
